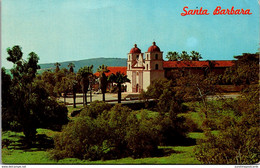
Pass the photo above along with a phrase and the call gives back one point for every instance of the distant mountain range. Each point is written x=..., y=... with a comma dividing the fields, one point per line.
x=96, y=62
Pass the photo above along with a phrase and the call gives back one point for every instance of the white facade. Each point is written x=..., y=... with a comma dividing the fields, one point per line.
x=143, y=68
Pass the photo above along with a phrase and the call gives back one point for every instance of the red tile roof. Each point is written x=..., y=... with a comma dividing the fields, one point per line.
x=182, y=64
x=223, y=63
x=175, y=64
x=135, y=50
x=113, y=70
x=154, y=48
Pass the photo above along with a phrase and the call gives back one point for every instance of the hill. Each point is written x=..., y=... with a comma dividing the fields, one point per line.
x=87, y=62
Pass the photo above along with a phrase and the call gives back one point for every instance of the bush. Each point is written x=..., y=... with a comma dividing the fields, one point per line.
x=193, y=127
x=142, y=136
x=237, y=141
x=114, y=134
x=82, y=138
x=95, y=109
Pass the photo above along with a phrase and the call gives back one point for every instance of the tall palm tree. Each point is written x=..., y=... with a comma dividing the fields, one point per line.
x=195, y=56
x=57, y=65
x=184, y=56
x=103, y=79
x=73, y=86
x=71, y=66
x=209, y=67
x=83, y=77
x=118, y=78
x=173, y=56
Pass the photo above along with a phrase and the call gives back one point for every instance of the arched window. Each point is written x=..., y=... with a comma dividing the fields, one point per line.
x=147, y=66
x=129, y=66
x=156, y=66
x=147, y=56
x=137, y=56
x=156, y=56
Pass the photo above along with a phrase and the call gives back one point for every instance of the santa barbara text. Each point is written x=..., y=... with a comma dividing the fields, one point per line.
x=218, y=11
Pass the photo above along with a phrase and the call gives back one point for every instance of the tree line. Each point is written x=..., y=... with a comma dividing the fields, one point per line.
x=101, y=131
x=29, y=99
x=183, y=56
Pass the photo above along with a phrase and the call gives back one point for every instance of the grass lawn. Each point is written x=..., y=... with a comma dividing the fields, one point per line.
x=38, y=154
x=15, y=154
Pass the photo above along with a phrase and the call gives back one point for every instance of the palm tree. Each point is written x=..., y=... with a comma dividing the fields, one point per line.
x=209, y=67
x=173, y=56
x=71, y=66
x=103, y=79
x=184, y=56
x=57, y=66
x=73, y=85
x=195, y=56
x=83, y=77
x=118, y=78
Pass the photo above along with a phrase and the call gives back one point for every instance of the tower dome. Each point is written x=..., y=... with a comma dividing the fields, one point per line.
x=135, y=50
x=154, y=48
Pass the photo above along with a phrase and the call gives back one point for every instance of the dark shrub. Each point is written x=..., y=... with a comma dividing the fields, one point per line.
x=82, y=138
x=113, y=134
x=193, y=127
x=95, y=108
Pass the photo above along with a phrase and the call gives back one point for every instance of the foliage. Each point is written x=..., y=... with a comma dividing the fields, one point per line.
x=244, y=71
x=95, y=109
x=183, y=56
x=169, y=104
x=115, y=133
x=27, y=105
x=238, y=139
x=119, y=79
x=195, y=56
x=71, y=66
x=173, y=56
x=103, y=81
x=14, y=155
x=57, y=65
x=83, y=76
x=196, y=87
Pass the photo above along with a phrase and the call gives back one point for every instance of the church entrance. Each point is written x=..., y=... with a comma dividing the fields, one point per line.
x=137, y=87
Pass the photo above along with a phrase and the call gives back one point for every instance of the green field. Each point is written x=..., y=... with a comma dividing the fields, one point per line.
x=16, y=153
x=39, y=155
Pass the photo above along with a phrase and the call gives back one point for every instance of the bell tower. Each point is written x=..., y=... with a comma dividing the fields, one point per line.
x=153, y=65
x=135, y=70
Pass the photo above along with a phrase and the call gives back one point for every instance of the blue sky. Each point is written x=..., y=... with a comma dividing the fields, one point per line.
x=65, y=30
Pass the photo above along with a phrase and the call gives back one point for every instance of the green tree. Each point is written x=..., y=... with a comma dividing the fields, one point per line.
x=208, y=69
x=15, y=54
x=48, y=78
x=169, y=102
x=237, y=140
x=83, y=76
x=27, y=103
x=184, y=56
x=71, y=66
x=95, y=109
x=245, y=70
x=57, y=65
x=73, y=87
x=195, y=56
x=119, y=79
x=6, y=100
x=103, y=79
x=58, y=78
x=173, y=56
x=113, y=133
